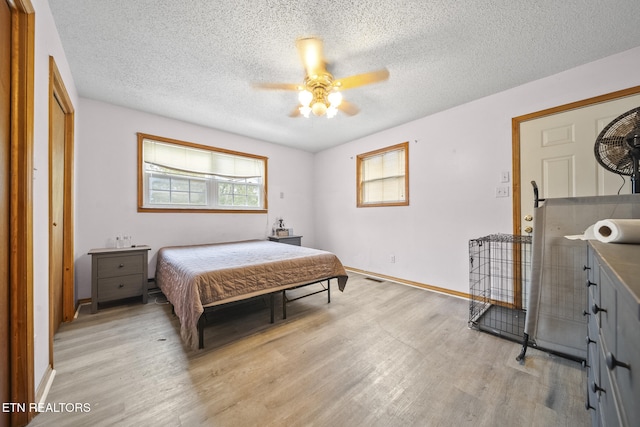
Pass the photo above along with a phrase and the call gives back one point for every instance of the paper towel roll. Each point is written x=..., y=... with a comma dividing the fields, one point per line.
x=618, y=230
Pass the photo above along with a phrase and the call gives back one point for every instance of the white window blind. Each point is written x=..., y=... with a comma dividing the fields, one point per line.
x=194, y=160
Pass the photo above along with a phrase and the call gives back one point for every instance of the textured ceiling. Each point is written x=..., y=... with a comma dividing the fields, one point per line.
x=195, y=61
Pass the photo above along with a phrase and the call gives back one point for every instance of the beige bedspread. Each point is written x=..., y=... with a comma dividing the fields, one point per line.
x=194, y=277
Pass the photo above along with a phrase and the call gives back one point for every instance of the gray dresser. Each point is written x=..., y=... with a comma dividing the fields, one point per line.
x=118, y=273
x=613, y=338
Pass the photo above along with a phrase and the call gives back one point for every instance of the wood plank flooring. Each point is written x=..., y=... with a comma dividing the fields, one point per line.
x=380, y=354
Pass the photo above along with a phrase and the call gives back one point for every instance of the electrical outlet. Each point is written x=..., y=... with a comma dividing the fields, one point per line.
x=502, y=191
x=392, y=258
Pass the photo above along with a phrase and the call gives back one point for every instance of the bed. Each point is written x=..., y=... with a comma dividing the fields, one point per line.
x=198, y=277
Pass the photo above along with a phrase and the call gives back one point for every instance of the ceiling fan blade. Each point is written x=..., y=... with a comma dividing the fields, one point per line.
x=277, y=86
x=310, y=50
x=361, y=79
x=296, y=112
x=348, y=108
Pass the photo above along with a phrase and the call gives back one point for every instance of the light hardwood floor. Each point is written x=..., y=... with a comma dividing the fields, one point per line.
x=380, y=354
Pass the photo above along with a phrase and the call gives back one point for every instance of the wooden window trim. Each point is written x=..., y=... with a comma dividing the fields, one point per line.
x=361, y=157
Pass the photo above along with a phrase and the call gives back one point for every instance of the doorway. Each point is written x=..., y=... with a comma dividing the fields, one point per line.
x=556, y=130
x=61, y=283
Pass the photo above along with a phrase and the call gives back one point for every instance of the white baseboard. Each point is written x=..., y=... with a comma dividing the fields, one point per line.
x=45, y=385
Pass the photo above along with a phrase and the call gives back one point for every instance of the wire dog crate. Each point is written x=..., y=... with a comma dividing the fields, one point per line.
x=499, y=278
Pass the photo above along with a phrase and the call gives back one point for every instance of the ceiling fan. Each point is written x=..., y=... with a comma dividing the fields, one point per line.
x=320, y=93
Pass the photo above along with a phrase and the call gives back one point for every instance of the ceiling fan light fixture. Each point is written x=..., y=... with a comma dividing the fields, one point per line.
x=319, y=108
x=305, y=97
x=335, y=99
x=305, y=111
x=332, y=111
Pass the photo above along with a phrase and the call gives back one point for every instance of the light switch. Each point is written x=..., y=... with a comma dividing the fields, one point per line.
x=502, y=191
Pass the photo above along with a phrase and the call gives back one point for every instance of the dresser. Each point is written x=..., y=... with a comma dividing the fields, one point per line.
x=613, y=336
x=289, y=240
x=118, y=273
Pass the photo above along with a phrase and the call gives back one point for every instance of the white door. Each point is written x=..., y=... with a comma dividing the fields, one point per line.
x=557, y=152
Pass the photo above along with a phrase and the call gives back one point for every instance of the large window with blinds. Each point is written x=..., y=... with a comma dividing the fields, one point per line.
x=178, y=176
x=383, y=177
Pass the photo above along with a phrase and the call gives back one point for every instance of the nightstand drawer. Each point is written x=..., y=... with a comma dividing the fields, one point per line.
x=113, y=288
x=120, y=265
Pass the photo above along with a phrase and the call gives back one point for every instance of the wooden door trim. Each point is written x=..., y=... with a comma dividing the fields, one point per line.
x=21, y=210
x=58, y=95
x=515, y=143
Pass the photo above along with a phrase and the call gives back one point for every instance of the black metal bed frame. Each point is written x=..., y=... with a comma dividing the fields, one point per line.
x=285, y=301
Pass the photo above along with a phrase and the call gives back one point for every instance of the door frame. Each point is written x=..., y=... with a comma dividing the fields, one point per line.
x=515, y=144
x=58, y=95
x=21, y=209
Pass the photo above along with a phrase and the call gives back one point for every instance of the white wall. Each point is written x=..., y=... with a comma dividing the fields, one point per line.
x=47, y=43
x=456, y=158
x=106, y=197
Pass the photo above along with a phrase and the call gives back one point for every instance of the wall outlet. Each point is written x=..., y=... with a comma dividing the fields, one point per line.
x=502, y=191
x=392, y=258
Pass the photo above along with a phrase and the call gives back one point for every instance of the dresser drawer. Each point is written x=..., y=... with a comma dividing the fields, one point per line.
x=593, y=280
x=120, y=265
x=113, y=288
x=593, y=375
x=607, y=404
x=627, y=352
x=605, y=312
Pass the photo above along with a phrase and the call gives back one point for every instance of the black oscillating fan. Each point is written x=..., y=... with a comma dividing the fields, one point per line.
x=617, y=147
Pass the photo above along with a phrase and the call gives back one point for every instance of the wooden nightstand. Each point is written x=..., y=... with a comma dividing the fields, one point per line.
x=289, y=240
x=118, y=273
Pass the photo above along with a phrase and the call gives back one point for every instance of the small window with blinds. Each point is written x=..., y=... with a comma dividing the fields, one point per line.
x=383, y=177
x=177, y=176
